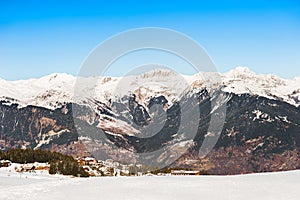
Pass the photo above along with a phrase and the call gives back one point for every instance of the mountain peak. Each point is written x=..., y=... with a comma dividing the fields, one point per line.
x=57, y=77
x=158, y=73
x=241, y=71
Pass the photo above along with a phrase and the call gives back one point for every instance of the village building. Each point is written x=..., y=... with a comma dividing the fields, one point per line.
x=5, y=163
x=184, y=173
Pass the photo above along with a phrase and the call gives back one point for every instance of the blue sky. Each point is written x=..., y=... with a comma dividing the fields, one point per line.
x=42, y=37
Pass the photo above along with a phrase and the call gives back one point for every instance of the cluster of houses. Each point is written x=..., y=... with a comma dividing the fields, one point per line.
x=112, y=168
x=28, y=167
x=98, y=168
x=103, y=168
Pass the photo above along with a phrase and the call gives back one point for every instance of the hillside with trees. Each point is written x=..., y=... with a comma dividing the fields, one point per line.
x=59, y=163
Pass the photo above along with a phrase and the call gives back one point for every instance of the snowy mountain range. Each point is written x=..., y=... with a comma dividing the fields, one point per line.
x=85, y=115
x=54, y=90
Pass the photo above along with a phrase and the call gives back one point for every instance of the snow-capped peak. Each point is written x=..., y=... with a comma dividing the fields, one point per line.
x=49, y=91
x=240, y=71
x=242, y=80
x=56, y=89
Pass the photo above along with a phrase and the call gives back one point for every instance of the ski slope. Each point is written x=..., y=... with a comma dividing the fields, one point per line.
x=273, y=186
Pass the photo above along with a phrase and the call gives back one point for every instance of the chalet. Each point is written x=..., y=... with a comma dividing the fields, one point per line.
x=90, y=160
x=42, y=166
x=90, y=171
x=87, y=161
x=5, y=163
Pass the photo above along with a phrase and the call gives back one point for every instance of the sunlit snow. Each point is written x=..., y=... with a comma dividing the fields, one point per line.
x=279, y=185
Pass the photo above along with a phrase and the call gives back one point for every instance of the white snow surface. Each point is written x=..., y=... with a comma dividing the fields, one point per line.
x=54, y=90
x=278, y=185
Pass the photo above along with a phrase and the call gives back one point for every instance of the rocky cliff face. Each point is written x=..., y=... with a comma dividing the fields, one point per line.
x=37, y=127
x=259, y=135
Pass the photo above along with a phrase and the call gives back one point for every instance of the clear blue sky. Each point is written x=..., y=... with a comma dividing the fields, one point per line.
x=41, y=37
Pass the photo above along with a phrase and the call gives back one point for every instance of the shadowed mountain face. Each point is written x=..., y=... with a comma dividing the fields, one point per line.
x=38, y=127
x=259, y=134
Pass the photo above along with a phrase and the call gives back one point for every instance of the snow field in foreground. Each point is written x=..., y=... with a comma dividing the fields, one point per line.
x=280, y=185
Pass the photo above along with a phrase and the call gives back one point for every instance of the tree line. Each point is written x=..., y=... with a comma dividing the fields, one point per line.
x=59, y=163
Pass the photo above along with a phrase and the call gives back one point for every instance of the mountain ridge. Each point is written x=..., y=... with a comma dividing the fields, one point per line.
x=54, y=90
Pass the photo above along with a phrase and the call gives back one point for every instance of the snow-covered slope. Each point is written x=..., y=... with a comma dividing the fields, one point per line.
x=56, y=89
x=280, y=185
x=242, y=80
x=49, y=91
